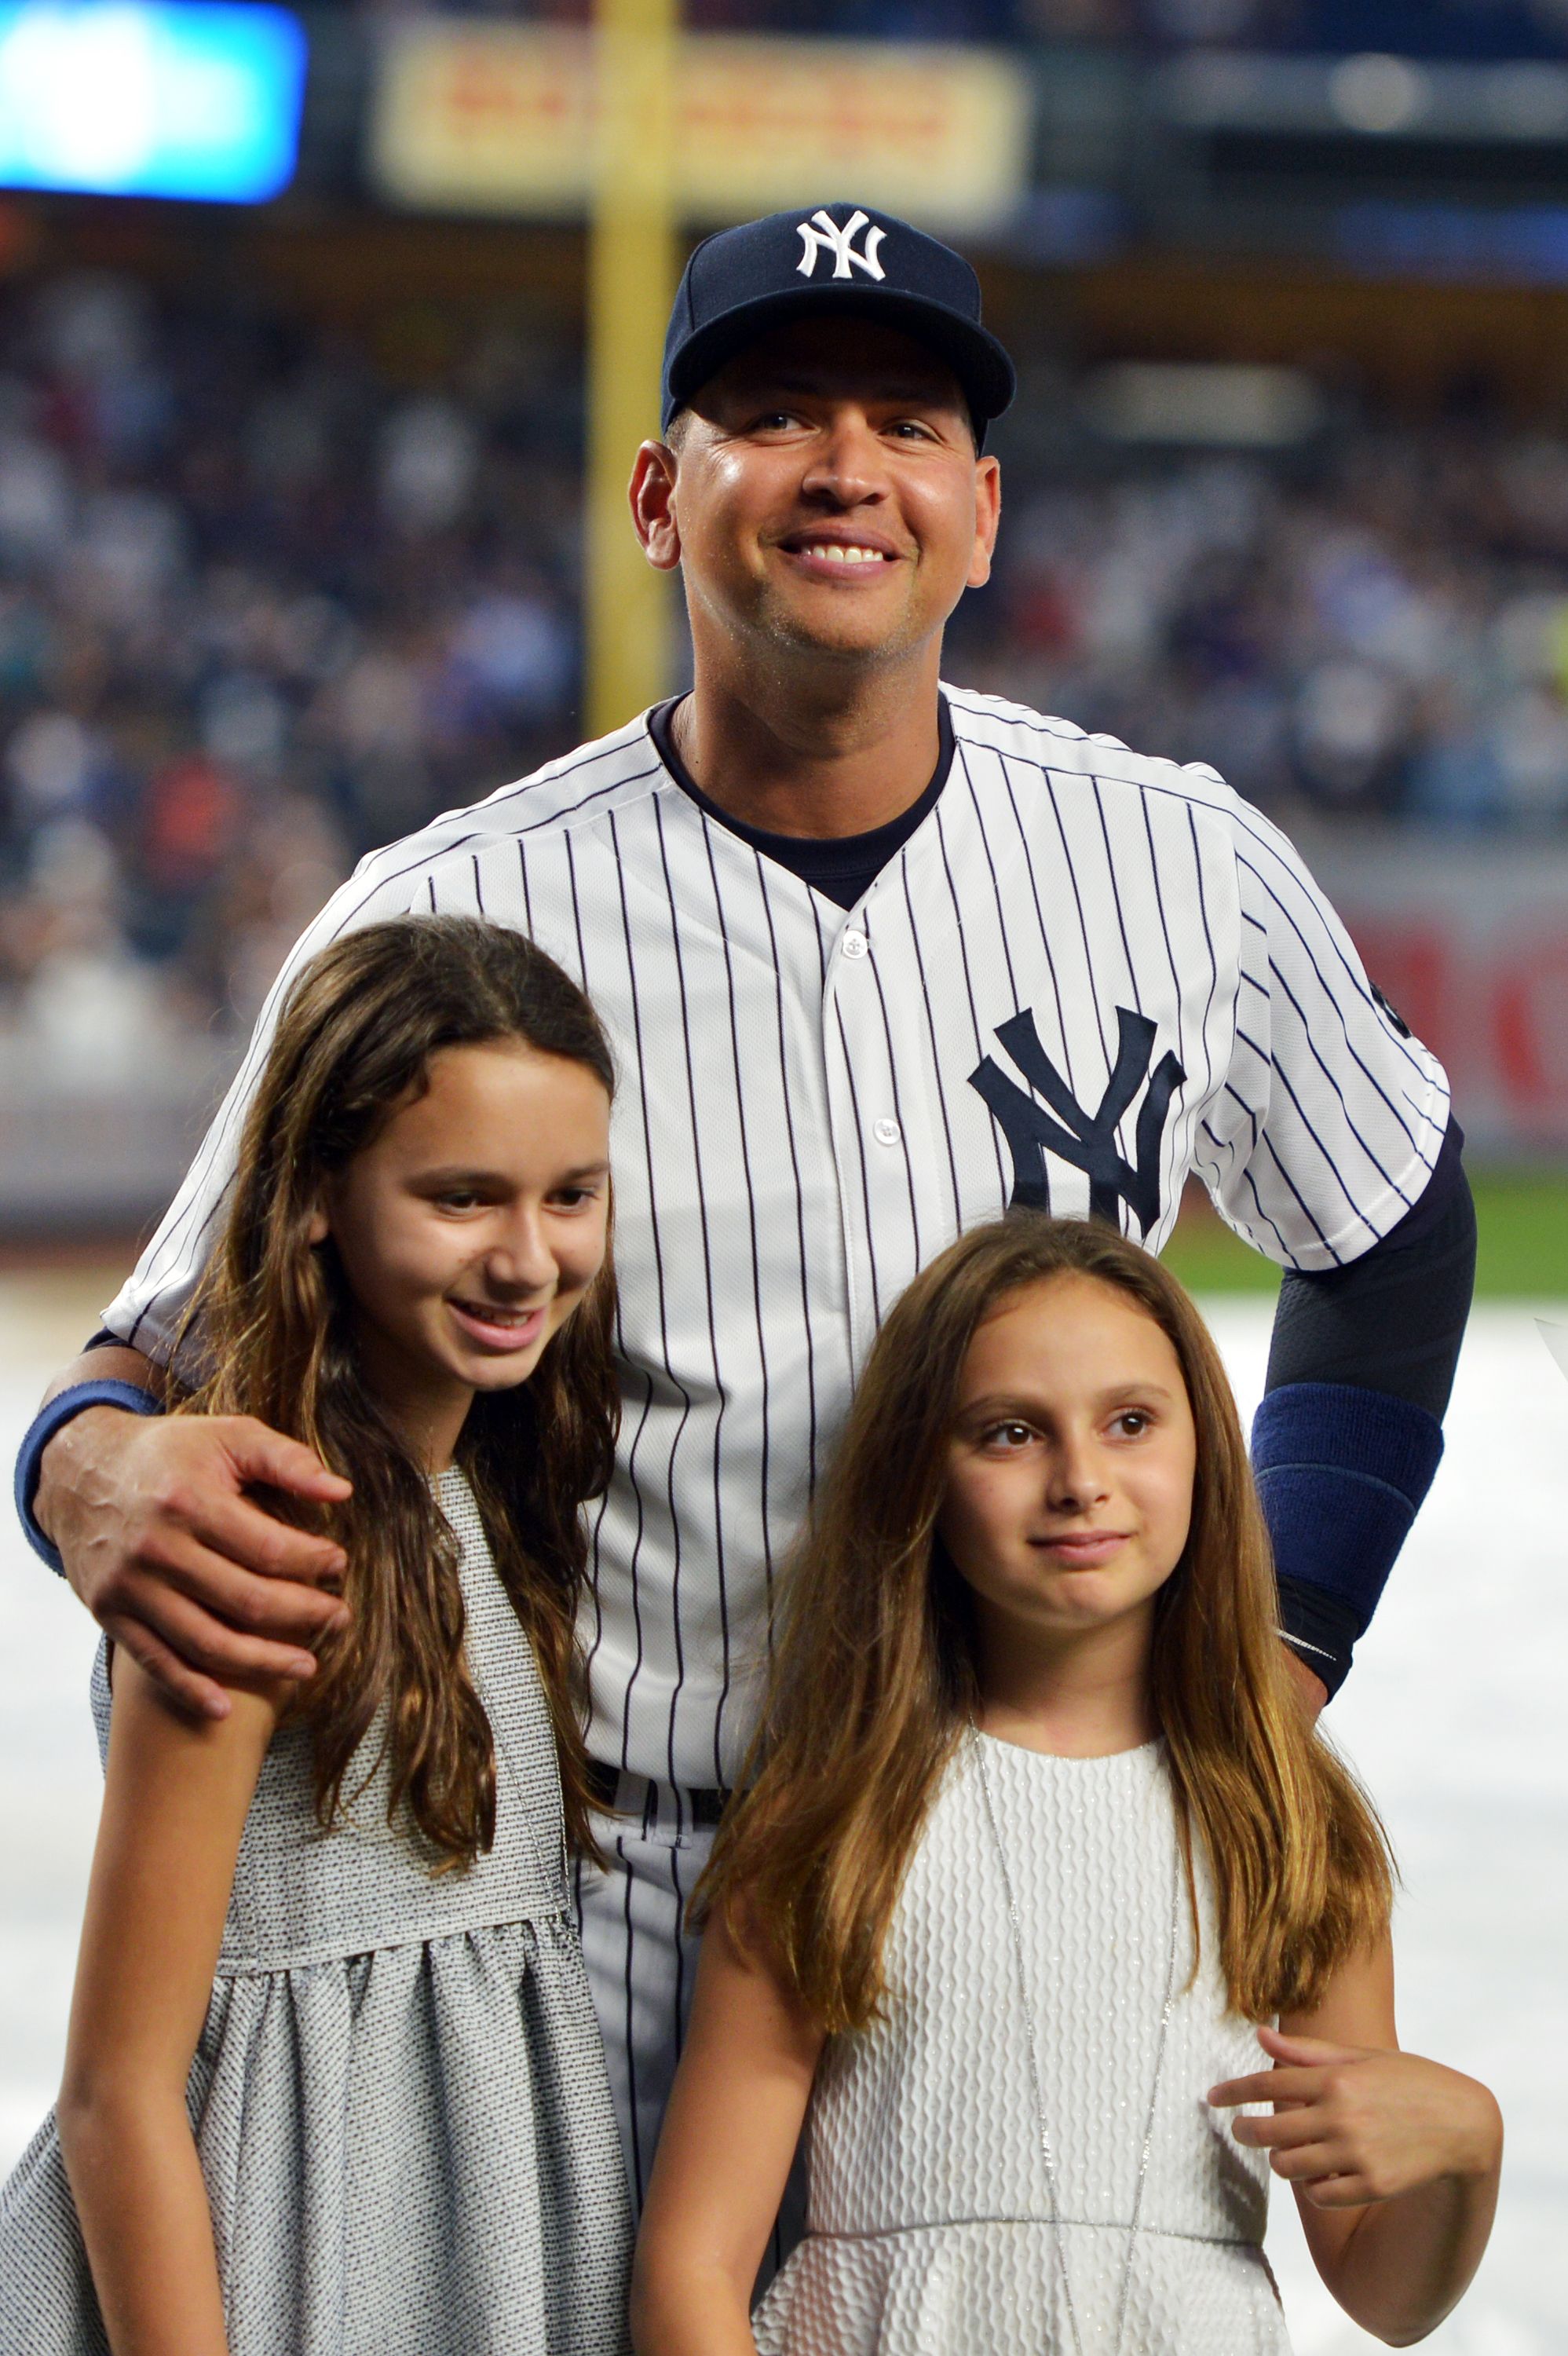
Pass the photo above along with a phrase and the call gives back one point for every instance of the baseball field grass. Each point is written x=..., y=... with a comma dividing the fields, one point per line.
x=1522, y=1217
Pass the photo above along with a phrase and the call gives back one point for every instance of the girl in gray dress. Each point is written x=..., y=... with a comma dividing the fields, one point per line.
x=333, y=2085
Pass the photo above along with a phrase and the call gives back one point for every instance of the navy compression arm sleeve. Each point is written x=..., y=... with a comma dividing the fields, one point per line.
x=1348, y=1435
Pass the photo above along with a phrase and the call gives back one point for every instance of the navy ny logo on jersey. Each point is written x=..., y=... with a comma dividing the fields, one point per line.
x=1087, y=1139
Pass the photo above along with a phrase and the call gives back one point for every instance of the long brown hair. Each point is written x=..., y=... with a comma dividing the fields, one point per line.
x=874, y=1682
x=270, y=1324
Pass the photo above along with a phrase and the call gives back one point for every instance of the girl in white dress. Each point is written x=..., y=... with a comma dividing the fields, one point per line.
x=1036, y=1848
x=334, y=2084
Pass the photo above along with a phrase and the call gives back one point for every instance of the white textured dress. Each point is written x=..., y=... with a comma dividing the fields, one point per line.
x=929, y=2228
x=400, y=2096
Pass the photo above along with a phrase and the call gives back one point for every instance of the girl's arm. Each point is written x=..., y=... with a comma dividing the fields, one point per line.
x=1394, y=2161
x=729, y=2136
x=176, y=1796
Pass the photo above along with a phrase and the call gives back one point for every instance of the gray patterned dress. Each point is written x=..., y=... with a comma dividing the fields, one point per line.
x=398, y=2095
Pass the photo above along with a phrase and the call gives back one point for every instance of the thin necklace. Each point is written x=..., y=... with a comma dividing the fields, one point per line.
x=1047, y=2151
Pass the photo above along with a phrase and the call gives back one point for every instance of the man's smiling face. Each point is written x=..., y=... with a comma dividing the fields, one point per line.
x=828, y=494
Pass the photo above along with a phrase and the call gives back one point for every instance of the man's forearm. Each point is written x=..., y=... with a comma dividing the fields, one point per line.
x=1349, y=1436
x=115, y=1362
x=64, y=1458
x=155, y=1522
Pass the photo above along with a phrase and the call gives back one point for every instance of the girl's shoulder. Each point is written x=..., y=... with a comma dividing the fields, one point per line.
x=302, y=1895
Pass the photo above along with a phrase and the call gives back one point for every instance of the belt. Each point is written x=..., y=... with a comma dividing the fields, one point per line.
x=620, y=1791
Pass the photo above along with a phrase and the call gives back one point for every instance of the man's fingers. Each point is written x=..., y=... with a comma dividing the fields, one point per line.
x=191, y=1693
x=208, y=1645
x=246, y=1534
x=194, y=1576
x=262, y=1454
x=279, y=1609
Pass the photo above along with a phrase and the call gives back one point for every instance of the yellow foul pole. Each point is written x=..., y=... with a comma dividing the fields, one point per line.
x=631, y=282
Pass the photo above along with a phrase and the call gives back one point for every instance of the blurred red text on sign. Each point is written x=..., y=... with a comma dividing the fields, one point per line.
x=1471, y=945
x=473, y=117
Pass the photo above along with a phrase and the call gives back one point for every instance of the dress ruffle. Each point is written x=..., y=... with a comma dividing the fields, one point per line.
x=465, y=2216
x=992, y=2286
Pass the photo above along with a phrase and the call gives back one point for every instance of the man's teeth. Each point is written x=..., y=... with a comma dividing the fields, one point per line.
x=836, y=553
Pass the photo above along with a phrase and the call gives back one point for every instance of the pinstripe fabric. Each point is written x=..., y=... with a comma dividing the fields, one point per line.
x=642, y=1960
x=799, y=1125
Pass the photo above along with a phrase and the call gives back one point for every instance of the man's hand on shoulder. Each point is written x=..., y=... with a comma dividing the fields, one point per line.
x=171, y=1556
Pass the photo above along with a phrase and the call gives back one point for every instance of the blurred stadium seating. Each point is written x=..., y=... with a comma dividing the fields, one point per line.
x=263, y=608
x=265, y=605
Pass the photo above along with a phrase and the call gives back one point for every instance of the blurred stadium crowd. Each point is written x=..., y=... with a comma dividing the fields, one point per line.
x=257, y=611
x=269, y=596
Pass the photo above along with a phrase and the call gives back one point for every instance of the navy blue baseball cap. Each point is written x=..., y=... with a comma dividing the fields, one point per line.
x=741, y=281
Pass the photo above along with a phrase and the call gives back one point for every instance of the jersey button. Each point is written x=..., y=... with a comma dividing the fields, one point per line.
x=886, y=1132
x=854, y=944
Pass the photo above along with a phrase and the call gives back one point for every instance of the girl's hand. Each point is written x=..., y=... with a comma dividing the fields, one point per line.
x=1354, y=2124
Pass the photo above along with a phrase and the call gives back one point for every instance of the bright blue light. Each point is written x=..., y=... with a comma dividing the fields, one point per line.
x=193, y=98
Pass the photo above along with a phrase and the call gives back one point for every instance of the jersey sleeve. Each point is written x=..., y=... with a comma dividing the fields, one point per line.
x=149, y=1309
x=1327, y=1125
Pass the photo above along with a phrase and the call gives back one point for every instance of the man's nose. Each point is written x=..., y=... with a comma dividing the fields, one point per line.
x=848, y=463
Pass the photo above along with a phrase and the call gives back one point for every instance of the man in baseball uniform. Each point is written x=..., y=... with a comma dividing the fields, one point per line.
x=879, y=958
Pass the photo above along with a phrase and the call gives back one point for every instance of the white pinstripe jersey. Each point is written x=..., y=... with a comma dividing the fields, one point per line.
x=1085, y=974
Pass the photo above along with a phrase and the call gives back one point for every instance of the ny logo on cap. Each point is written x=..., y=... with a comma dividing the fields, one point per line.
x=821, y=234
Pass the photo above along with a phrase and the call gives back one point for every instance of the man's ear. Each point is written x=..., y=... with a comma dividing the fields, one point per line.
x=651, y=494
x=988, y=516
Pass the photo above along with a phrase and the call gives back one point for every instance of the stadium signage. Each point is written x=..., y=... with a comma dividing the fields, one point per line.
x=1472, y=947
x=479, y=117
